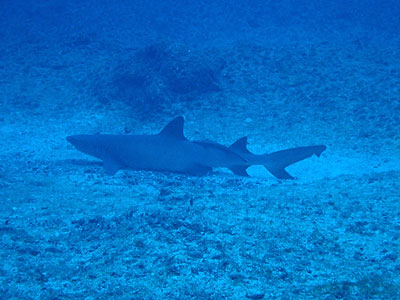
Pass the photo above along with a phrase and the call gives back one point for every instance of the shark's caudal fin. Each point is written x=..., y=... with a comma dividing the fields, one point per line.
x=275, y=162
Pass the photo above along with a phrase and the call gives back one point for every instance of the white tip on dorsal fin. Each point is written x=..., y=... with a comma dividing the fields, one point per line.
x=174, y=128
x=240, y=146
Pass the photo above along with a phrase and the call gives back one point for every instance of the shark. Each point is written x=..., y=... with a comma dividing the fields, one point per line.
x=170, y=151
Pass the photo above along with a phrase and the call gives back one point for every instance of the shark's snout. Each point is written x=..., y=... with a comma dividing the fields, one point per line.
x=70, y=138
x=78, y=141
x=89, y=144
x=73, y=139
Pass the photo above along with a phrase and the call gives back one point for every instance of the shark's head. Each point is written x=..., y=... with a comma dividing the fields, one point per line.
x=89, y=144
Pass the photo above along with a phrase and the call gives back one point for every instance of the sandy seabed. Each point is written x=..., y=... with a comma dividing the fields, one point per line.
x=68, y=231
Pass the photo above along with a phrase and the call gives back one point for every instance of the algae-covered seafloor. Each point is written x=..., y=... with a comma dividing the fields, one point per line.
x=69, y=231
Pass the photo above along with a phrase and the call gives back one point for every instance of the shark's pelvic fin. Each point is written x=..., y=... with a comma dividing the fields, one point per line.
x=174, y=129
x=239, y=170
x=279, y=172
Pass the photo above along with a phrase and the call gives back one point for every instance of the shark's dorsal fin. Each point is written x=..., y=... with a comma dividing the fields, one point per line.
x=240, y=146
x=174, y=129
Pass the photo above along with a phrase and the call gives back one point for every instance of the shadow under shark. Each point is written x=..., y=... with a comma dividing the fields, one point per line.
x=170, y=151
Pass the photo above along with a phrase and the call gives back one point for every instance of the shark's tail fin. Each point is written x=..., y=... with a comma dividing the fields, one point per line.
x=276, y=162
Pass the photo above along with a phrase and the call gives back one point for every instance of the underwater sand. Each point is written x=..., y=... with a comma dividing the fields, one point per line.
x=69, y=231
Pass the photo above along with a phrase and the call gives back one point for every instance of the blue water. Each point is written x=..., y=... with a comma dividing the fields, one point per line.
x=284, y=73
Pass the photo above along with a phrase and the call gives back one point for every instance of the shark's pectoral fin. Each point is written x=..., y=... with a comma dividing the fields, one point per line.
x=111, y=166
x=198, y=170
x=239, y=170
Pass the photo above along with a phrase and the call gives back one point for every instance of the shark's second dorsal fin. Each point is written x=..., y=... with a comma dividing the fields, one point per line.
x=240, y=146
x=174, y=129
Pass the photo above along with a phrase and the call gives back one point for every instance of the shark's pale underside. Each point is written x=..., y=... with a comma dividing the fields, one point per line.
x=170, y=151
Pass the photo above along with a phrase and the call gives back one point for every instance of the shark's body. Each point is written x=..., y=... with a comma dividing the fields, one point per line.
x=170, y=151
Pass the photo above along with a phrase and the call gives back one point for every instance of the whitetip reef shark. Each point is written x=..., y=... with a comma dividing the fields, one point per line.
x=171, y=151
